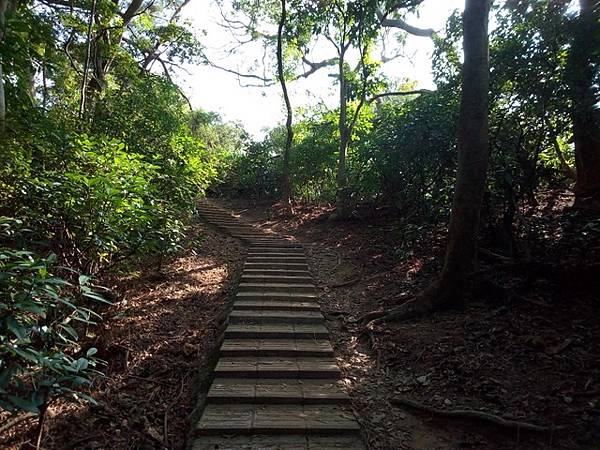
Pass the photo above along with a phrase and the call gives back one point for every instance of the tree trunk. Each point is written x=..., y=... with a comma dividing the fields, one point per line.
x=2, y=102
x=473, y=155
x=342, y=200
x=3, y=8
x=585, y=114
x=286, y=187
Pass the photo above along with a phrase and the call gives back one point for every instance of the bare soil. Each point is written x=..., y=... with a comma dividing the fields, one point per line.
x=157, y=339
x=526, y=348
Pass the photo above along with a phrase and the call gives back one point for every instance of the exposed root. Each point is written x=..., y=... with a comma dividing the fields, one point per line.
x=477, y=415
x=12, y=422
x=412, y=309
x=368, y=317
x=357, y=279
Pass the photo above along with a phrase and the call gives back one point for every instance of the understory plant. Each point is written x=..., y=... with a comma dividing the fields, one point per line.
x=43, y=319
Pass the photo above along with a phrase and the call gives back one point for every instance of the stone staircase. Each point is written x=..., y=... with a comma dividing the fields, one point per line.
x=276, y=384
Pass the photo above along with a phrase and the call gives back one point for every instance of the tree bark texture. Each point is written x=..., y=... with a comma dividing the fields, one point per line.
x=3, y=8
x=342, y=200
x=585, y=113
x=473, y=155
x=286, y=187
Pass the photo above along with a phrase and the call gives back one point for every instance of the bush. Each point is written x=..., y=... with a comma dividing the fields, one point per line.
x=40, y=314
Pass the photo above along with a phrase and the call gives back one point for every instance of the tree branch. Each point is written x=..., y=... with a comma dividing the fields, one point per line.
x=401, y=24
x=399, y=93
x=266, y=81
x=314, y=66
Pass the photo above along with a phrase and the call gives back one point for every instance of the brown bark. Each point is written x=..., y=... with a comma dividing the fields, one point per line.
x=286, y=187
x=473, y=155
x=3, y=8
x=342, y=200
x=585, y=114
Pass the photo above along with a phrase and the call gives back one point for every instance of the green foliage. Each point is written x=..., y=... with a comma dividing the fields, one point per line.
x=118, y=181
x=40, y=315
x=409, y=156
x=256, y=172
x=403, y=150
x=314, y=159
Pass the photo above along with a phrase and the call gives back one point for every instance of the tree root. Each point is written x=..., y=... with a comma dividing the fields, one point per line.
x=476, y=415
x=368, y=317
x=409, y=310
x=12, y=422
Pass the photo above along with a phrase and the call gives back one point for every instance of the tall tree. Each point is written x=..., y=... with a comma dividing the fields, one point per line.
x=582, y=76
x=286, y=187
x=356, y=24
x=473, y=155
x=3, y=8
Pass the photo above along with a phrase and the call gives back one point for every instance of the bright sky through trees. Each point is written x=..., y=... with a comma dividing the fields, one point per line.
x=260, y=108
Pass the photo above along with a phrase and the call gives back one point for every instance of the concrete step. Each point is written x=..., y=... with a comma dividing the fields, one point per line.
x=286, y=250
x=226, y=217
x=276, y=347
x=284, y=243
x=252, y=420
x=282, y=254
x=263, y=237
x=276, y=259
x=277, y=305
x=276, y=272
x=276, y=287
x=275, y=316
x=276, y=331
x=266, y=243
x=287, y=296
x=252, y=237
x=293, y=367
x=222, y=223
x=243, y=237
x=276, y=266
x=279, y=442
x=279, y=279
x=277, y=391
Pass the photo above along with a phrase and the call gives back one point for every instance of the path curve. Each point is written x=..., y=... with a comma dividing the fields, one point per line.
x=276, y=384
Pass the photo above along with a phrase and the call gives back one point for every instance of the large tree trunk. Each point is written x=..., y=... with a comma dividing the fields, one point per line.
x=342, y=200
x=473, y=155
x=585, y=113
x=286, y=187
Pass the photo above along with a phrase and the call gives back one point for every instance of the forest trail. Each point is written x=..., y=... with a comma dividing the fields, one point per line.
x=276, y=383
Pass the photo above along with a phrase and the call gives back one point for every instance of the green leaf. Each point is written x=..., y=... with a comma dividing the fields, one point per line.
x=17, y=328
x=81, y=364
x=24, y=404
x=6, y=375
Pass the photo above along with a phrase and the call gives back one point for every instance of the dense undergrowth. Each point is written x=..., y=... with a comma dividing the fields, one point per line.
x=84, y=191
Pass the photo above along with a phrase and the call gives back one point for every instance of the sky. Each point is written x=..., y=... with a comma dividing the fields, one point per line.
x=260, y=108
